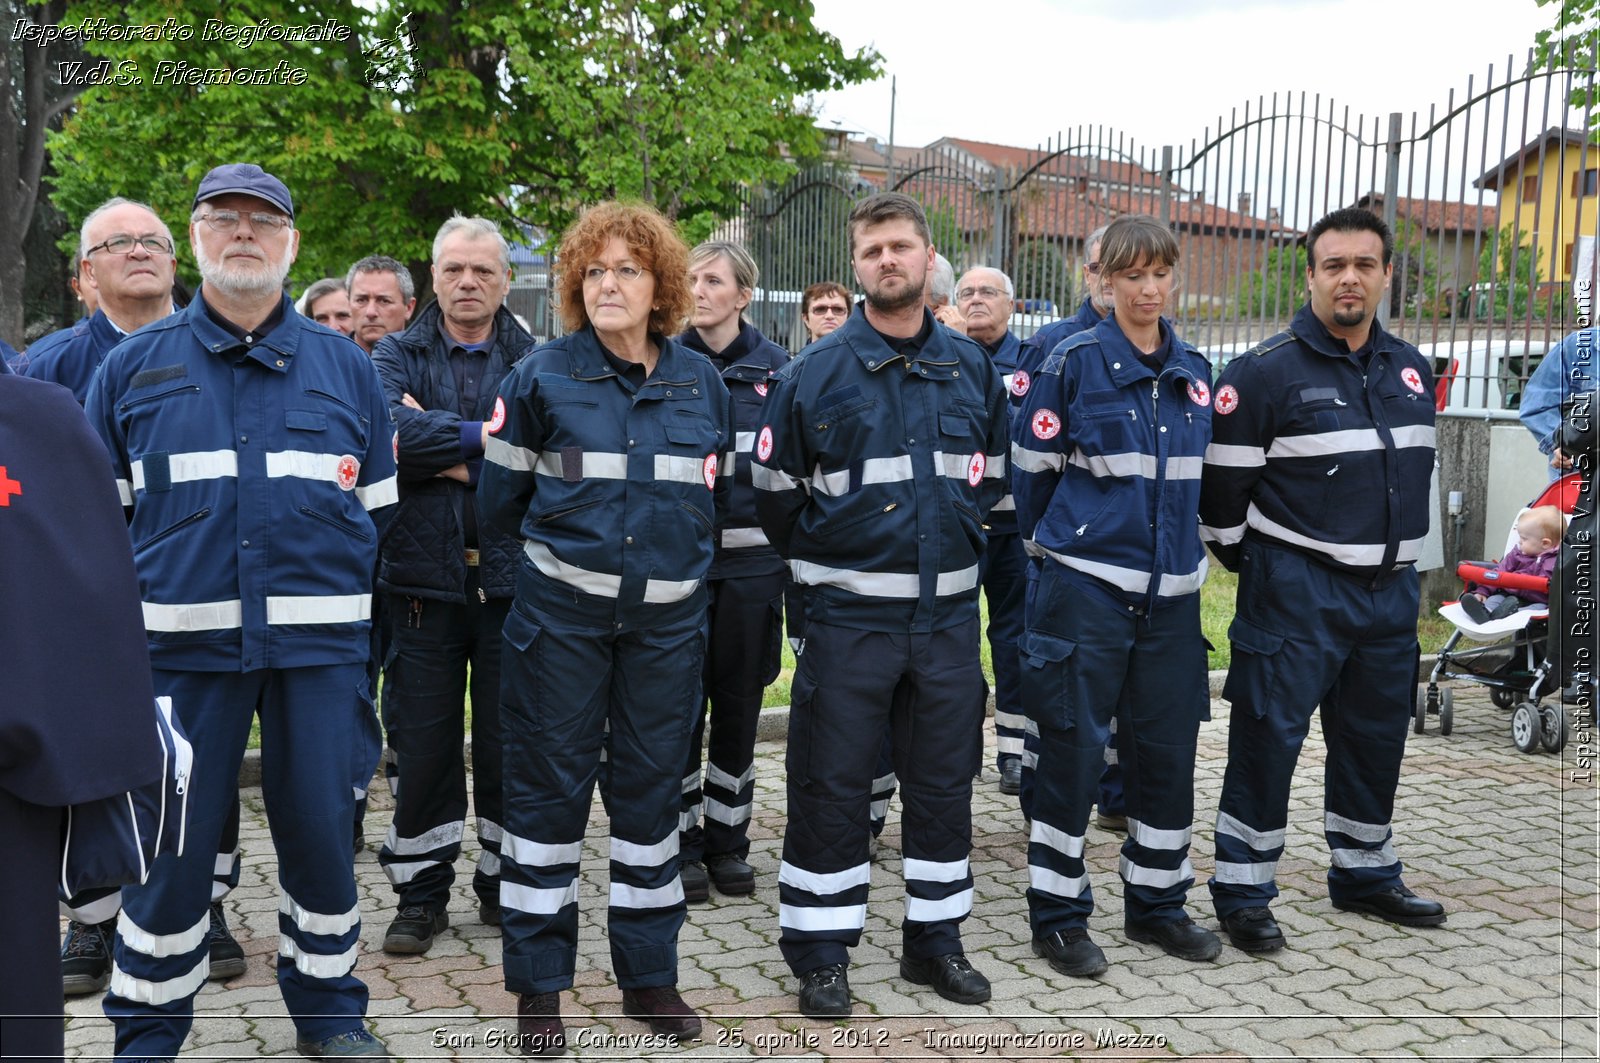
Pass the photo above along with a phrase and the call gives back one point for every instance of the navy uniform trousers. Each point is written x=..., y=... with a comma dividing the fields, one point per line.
x=1306, y=635
x=743, y=655
x=563, y=682
x=1086, y=658
x=928, y=689
x=1004, y=587
x=317, y=733
x=432, y=645
x=1111, y=800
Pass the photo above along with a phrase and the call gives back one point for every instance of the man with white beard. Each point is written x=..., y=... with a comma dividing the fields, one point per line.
x=255, y=457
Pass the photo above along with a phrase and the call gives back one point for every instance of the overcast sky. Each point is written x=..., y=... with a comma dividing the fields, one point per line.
x=1161, y=71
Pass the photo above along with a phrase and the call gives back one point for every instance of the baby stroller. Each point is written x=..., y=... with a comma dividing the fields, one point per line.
x=1509, y=654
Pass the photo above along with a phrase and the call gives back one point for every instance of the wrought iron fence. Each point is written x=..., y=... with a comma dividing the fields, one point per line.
x=1491, y=195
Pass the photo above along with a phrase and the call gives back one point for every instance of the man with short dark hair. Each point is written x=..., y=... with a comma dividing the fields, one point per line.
x=382, y=297
x=447, y=577
x=255, y=457
x=125, y=255
x=882, y=450
x=1315, y=490
x=328, y=304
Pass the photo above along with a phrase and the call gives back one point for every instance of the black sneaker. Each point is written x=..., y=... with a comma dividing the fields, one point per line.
x=86, y=957
x=1072, y=952
x=227, y=957
x=1473, y=606
x=413, y=929
x=825, y=993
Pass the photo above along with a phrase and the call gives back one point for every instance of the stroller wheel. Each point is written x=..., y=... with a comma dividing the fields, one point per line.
x=1525, y=727
x=1503, y=698
x=1552, y=727
x=1420, y=708
x=1446, y=711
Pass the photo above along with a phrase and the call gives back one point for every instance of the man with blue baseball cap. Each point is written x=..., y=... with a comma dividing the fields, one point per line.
x=254, y=453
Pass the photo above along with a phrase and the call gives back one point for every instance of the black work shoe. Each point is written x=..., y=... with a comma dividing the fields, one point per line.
x=1398, y=905
x=1071, y=952
x=951, y=976
x=1253, y=930
x=663, y=1009
x=86, y=957
x=227, y=957
x=489, y=912
x=540, y=1031
x=825, y=993
x=413, y=929
x=1011, y=776
x=1178, y=937
x=358, y=841
x=731, y=875
x=357, y=1042
x=696, y=884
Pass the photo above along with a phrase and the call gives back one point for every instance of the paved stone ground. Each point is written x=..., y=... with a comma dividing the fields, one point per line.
x=1508, y=841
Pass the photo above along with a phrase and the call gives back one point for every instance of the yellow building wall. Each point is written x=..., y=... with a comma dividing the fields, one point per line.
x=1558, y=214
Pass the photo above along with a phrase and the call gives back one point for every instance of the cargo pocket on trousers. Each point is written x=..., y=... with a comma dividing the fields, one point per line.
x=1044, y=678
x=520, y=668
x=772, y=650
x=1253, y=670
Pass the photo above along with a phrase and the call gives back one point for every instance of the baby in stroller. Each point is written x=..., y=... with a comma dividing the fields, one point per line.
x=1538, y=542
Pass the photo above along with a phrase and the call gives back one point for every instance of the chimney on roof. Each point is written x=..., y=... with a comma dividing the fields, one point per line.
x=1274, y=216
x=1244, y=202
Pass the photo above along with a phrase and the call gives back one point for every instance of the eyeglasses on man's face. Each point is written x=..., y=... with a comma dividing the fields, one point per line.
x=122, y=244
x=987, y=291
x=227, y=221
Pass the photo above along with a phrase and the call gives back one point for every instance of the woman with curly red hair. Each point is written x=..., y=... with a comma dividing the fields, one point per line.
x=608, y=453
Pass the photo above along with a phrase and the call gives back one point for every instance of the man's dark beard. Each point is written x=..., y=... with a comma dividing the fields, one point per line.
x=888, y=305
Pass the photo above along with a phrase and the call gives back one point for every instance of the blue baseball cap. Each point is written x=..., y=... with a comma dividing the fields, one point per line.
x=248, y=179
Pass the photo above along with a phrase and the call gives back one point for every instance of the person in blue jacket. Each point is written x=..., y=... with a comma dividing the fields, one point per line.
x=985, y=297
x=76, y=718
x=745, y=587
x=1316, y=491
x=1097, y=304
x=612, y=464
x=881, y=451
x=1572, y=369
x=1107, y=451
x=254, y=453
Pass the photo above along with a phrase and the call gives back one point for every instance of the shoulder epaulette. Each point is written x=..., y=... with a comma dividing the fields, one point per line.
x=1272, y=343
x=1052, y=364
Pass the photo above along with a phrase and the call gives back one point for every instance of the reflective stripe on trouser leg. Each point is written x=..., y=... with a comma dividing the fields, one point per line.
x=558, y=684
x=840, y=702
x=225, y=874
x=1365, y=720
x=1004, y=587
x=1164, y=696
x=742, y=657
x=317, y=727
x=937, y=724
x=159, y=957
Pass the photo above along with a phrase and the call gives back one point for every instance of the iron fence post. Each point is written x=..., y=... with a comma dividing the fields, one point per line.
x=1391, y=191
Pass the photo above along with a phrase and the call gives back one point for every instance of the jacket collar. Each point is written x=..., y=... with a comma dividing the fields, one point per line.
x=748, y=358
x=511, y=340
x=1309, y=330
x=937, y=359
x=1122, y=358
x=586, y=360
x=275, y=350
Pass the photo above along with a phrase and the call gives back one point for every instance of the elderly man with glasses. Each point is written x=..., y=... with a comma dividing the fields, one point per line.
x=254, y=453
x=125, y=257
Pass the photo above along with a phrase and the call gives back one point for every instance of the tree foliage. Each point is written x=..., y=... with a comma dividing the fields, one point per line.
x=521, y=112
x=1278, y=288
x=1573, y=42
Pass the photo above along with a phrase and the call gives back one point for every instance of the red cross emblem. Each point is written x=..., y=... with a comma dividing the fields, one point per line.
x=497, y=420
x=1412, y=378
x=1199, y=394
x=8, y=487
x=764, y=443
x=1046, y=425
x=1227, y=399
x=349, y=469
x=761, y=388
x=975, y=468
x=1019, y=383
x=709, y=470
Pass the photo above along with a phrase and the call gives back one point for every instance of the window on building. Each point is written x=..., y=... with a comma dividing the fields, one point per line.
x=1585, y=182
x=1530, y=188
